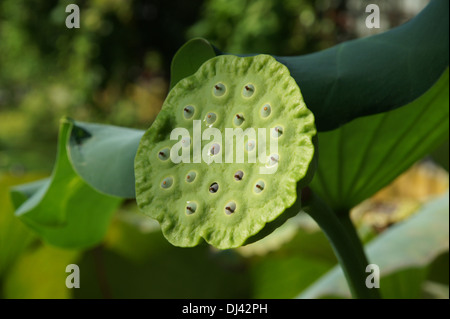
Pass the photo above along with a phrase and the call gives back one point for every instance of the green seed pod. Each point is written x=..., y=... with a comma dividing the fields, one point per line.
x=227, y=203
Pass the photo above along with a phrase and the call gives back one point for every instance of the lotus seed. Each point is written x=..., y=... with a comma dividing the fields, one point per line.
x=239, y=175
x=215, y=149
x=210, y=118
x=277, y=131
x=191, y=207
x=190, y=177
x=273, y=160
x=238, y=119
x=265, y=110
x=219, y=89
x=214, y=188
x=248, y=90
x=250, y=146
x=167, y=182
x=230, y=208
x=164, y=154
x=259, y=187
x=188, y=112
x=186, y=141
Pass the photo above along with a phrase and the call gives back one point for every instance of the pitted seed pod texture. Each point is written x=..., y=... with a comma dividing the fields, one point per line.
x=225, y=203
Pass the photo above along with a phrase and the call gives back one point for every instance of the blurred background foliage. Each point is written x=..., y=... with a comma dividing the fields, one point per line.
x=115, y=70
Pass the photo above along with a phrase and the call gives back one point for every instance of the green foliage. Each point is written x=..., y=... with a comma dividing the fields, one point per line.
x=401, y=253
x=14, y=235
x=330, y=78
x=137, y=264
x=48, y=71
x=111, y=70
x=283, y=27
x=40, y=273
x=189, y=58
x=64, y=210
x=349, y=80
x=363, y=156
x=291, y=268
x=103, y=156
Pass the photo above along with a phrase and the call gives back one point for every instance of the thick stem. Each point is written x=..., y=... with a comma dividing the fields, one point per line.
x=346, y=245
x=350, y=229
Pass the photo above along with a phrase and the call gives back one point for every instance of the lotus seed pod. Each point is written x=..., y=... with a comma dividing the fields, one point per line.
x=215, y=195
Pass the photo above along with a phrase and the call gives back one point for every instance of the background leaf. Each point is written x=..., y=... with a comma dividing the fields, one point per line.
x=141, y=264
x=441, y=155
x=14, y=235
x=189, y=58
x=103, y=156
x=361, y=157
x=287, y=270
x=374, y=74
x=40, y=273
x=65, y=211
x=406, y=247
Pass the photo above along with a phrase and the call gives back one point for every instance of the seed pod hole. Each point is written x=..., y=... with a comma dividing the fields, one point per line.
x=230, y=208
x=265, y=110
x=188, y=112
x=214, y=188
x=210, y=118
x=250, y=145
x=238, y=119
x=238, y=175
x=164, y=154
x=167, y=182
x=186, y=141
x=273, y=160
x=214, y=150
x=191, y=207
x=248, y=90
x=190, y=177
x=259, y=187
x=219, y=89
x=277, y=131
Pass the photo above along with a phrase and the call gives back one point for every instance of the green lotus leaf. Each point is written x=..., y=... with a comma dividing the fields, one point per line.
x=64, y=210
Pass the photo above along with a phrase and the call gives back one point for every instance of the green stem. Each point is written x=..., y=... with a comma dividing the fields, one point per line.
x=346, y=245
x=350, y=229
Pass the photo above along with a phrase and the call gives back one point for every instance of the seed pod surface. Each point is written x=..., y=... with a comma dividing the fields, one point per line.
x=213, y=195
